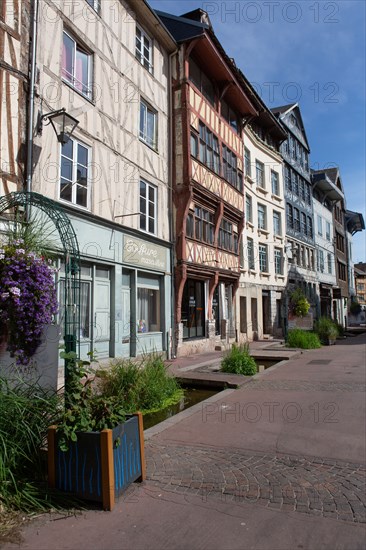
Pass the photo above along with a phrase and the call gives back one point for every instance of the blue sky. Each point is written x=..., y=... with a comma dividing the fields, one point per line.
x=308, y=51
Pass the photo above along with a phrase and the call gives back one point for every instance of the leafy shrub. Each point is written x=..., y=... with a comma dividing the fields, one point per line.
x=298, y=303
x=326, y=329
x=297, y=338
x=239, y=361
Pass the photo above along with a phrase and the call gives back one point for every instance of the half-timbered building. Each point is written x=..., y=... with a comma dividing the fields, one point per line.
x=107, y=64
x=210, y=104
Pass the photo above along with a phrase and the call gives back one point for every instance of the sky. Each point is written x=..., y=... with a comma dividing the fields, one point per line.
x=310, y=52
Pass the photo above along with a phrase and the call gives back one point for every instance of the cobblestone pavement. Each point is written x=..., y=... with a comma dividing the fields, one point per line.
x=314, y=486
x=304, y=385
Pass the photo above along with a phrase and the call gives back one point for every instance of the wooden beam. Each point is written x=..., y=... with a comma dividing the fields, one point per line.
x=106, y=448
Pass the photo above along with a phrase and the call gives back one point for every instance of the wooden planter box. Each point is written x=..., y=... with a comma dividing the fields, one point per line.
x=99, y=466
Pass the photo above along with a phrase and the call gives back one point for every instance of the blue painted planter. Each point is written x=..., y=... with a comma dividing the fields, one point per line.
x=99, y=466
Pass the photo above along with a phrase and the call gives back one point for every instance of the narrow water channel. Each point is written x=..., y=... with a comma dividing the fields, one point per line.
x=191, y=397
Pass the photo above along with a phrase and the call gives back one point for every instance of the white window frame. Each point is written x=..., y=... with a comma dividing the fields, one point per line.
x=260, y=226
x=263, y=257
x=73, y=182
x=327, y=233
x=275, y=176
x=320, y=225
x=72, y=80
x=153, y=140
x=145, y=62
x=146, y=212
x=277, y=215
x=278, y=261
x=260, y=168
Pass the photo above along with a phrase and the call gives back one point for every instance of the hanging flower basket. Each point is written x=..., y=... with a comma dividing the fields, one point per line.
x=28, y=300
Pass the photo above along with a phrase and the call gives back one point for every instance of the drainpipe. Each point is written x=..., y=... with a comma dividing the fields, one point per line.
x=32, y=63
x=172, y=350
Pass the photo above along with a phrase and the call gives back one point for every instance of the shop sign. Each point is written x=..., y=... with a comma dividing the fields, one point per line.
x=144, y=254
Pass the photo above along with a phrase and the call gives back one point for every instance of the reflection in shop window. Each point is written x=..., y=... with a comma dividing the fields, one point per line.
x=148, y=310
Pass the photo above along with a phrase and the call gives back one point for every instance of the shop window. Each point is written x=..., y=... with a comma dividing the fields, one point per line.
x=148, y=304
x=85, y=317
x=193, y=309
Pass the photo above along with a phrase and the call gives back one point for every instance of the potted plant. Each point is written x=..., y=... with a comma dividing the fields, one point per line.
x=327, y=330
x=96, y=451
x=299, y=303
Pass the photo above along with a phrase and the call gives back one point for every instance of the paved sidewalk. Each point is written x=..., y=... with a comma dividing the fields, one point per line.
x=277, y=464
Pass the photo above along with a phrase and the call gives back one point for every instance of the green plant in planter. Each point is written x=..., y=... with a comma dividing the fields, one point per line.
x=239, y=361
x=86, y=410
x=326, y=329
x=299, y=303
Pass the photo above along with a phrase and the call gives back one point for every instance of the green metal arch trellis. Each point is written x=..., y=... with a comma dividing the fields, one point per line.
x=71, y=254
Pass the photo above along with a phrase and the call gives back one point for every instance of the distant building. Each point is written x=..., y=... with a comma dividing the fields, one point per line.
x=300, y=243
x=360, y=282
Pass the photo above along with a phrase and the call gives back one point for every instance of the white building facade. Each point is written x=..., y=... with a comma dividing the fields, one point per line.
x=264, y=267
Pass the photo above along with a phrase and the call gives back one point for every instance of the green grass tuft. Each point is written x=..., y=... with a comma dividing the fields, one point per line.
x=239, y=361
x=297, y=338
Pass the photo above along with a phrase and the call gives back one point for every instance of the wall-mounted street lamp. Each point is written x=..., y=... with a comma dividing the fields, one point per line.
x=62, y=123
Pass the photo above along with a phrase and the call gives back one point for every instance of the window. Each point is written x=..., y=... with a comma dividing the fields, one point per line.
x=278, y=261
x=228, y=239
x=321, y=261
x=247, y=163
x=74, y=183
x=296, y=219
x=148, y=303
x=194, y=145
x=201, y=81
x=288, y=179
x=295, y=183
x=148, y=207
x=301, y=188
x=341, y=271
x=307, y=193
x=193, y=309
x=327, y=231
x=262, y=216
x=263, y=264
x=77, y=66
x=84, y=308
x=290, y=216
x=248, y=208
x=230, y=168
x=204, y=225
x=95, y=4
x=320, y=226
x=310, y=227
x=144, y=49
x=229, y=115
x=303, y=224
x=277, y=223
x=250, y=253
x=275, y=183
x=329, y=257
x=259, y=172
x=209, y=153
x=148, y=125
